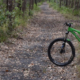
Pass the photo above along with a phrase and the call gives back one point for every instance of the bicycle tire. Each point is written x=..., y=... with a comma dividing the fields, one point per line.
x=72, y=52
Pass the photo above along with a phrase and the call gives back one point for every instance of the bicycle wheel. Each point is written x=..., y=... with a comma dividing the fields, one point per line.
x=61, y=58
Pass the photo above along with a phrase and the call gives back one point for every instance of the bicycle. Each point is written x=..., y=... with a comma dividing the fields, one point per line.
x=61, y=51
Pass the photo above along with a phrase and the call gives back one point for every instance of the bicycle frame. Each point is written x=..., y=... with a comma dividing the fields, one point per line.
x=72, y=30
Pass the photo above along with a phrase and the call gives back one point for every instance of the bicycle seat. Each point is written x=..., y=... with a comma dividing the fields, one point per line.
x=68, y=24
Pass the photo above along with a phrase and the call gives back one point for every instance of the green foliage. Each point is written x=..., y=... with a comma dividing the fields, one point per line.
x=3, y=34
x=36, y=8
x=4, y=21
x=7, y=25
x=31, y=12
x=17, y=11
x=65, y=10
x=76, y=12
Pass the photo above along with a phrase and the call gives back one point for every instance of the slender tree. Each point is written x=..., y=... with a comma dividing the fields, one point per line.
x=60, y=3
x=24, y=6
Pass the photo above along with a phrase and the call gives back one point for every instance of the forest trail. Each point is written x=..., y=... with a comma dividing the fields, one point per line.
x=27, y=59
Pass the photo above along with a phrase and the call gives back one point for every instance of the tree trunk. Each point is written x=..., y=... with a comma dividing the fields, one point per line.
x=24, y=6
x=60, y=3
x=66, y=3
x=19, y=4
x=36, y=2
x=72, y=3
x=10, y=8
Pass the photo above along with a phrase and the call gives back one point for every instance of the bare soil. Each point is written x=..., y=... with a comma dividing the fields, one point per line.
x=26, y=58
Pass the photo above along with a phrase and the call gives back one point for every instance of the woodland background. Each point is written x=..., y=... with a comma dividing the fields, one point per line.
x=16, y=12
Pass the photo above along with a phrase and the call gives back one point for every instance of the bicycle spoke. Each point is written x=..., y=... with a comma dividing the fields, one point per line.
x=60, y=57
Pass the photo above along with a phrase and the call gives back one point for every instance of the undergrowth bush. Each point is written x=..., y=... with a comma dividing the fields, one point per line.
x=65, y=10
x=18, y=19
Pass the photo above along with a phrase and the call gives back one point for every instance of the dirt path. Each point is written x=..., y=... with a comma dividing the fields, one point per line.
x=27, y=59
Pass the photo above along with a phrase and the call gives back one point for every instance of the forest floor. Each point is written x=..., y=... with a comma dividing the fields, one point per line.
x=26, y=58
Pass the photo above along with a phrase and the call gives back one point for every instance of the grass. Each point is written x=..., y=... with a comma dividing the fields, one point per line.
x=3, y=34
x=69, y=13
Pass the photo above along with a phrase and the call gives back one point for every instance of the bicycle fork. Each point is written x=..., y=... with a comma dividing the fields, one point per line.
x=63, y=44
